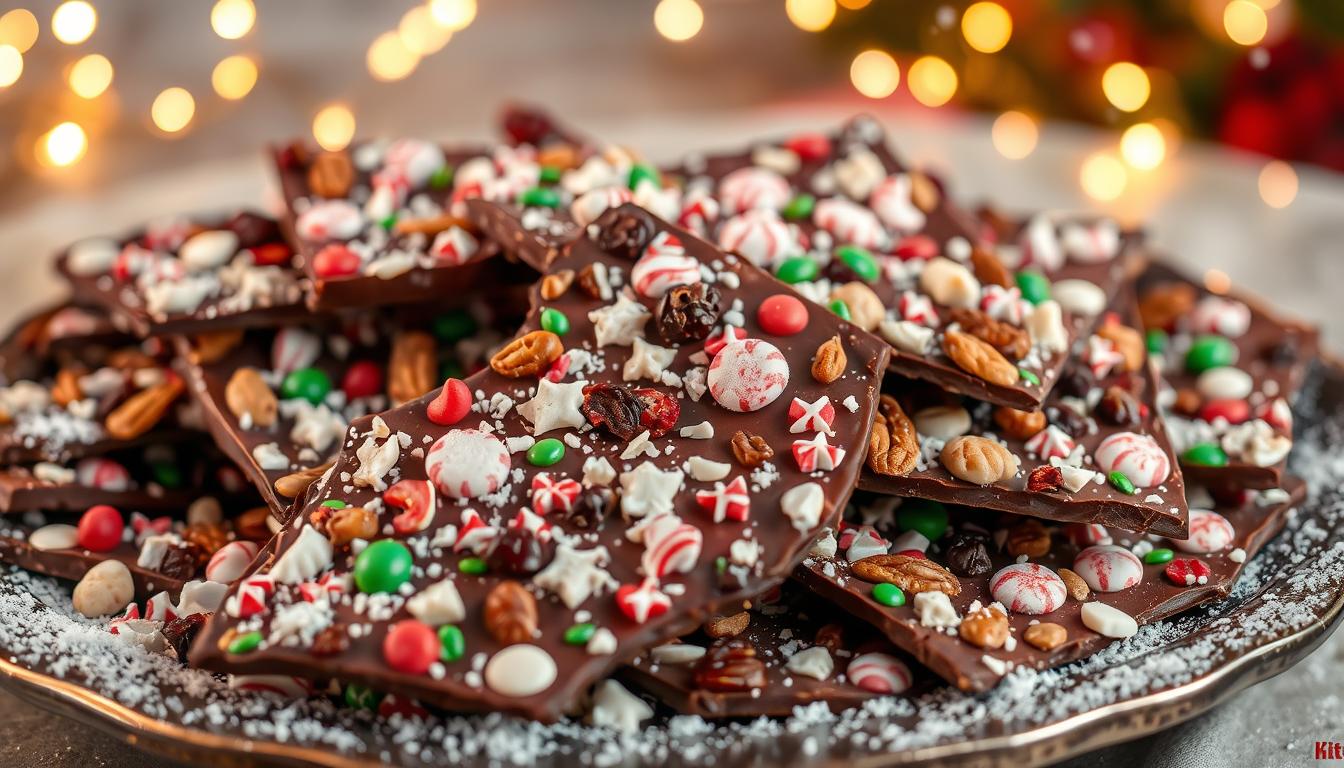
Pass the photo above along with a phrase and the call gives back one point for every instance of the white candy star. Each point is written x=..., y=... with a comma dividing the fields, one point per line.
x=648, y=490
x=576, y=574
x=556, y=406
x=619, y=323
x=647, y=361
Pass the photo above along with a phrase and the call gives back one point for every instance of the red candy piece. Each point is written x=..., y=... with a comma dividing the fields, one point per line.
x=411, y=647
x=270, y=254
x=363, y=378
x=451, y=405
x=335, y=260
x=782, y=315
x=641, y=602
x=916, y=247
x=100, y=528
x=1233, y=411
x=722, y=338
x=810, y=147
x=417, y=498
x=915, y=553
x=1188, y=571
x=660, y=411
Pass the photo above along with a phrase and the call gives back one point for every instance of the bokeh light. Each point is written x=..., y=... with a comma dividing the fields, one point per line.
x=1103, y=177
x=1143, y=146
x=231, y=19
x=62, y=146
x=334, y=127
x=452, y=15
x=1245, y=22
x=11, y=65
x=810, y=15
x=234, y=77
x=1278, y=184
x=875, y=74
x=91, y=76
x=932, y=81
x=173, y=109
x=19, y=28
x=73, y=22
x=678, y=20
x=1126, y=86
x=987, y=26
x=854, y=5
x=389, y=59
x=419, y=32
x=1015, y=135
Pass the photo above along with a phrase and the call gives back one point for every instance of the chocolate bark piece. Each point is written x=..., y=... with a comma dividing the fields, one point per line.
x=59, y=332
x=71, y=563
x=1098, y=452
x=630, y=544
x=146, y=480
x=1234, y=532
x=1232, y=368
x=805, y=649
x=188, y=274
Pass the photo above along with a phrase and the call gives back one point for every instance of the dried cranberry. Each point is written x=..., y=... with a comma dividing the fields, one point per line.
x=688, y=312
x=180, y=632
x=1067, y=419
x=1075, y=382
x=1119, y=407
x=527, y=126
x=660, y=411
x=624, y=231
x=253, y=230
x=182, y=561
x=520, y=553
x=1045, y=478
x=613, y=407
x=967, y=556
x=591, y=509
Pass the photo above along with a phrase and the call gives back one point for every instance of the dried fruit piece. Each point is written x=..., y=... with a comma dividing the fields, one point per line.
x=893, y=446
x=251, y=400
x=331, y=175
x=986, y=628
x=978, y=358
x=688, y=312
x=1078, y=588
x=510, y=613
x=520, y=552
x=528, y=355
x=829, y=362
x=912, y=574
x=751, y=450
x=1187, y=402
x=1119, y=407
x=968, y=556
x=1008, y=339
x=730, y=667
x=1029, y=538
x=590, y=283
x=591, y=508
x=1162, y=305
x=659, y=411
x=1046, y=636
x=143, y=410
x=1017, y=424
x=554, y=284
x=978, y=460
x=624, y=231
x=412, y=369
x=294, y=484
x=614, y=408
x=1045, y=478
x=728, y=626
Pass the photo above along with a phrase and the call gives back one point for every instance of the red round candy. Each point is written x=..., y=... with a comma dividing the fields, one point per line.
x=810, y=146
x=411, y=647
x=363, y=378
x=916, y=247
x=100, y=528
x=451, y=405
x=1232, y=411
x=270, y=254
x=335, y=260
x=782, y=315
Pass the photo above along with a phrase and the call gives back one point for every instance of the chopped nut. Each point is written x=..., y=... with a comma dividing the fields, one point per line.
x=730, y=667
x=527, y=355
x=349, y=523
x=1046, y=636
x=249, y=397
x=751, y=450
x=251, y=525
x=865, y=308
x=65, y=390
x=728, y=626
x=1187, y=402
x=554, y=285
x=986, y=628
x=1019, y=425
x=1078, y=588
x=294, y=484
x=1162, y=305
x=212, y=346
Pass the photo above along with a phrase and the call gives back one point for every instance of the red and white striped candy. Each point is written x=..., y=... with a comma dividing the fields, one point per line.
x=699, y=210
x=1216, y=314
x=1091, y=243
x=330, y=585
x=1108, y=568
x=817, y=454
x=753, y=187
x=850, y=223
x=144, y=527
x=663, y=265
x=474, y=534
x=915, y=248
x=453, y=246
x=277, y=685
x=722, y=337
x=670, y=546
x=1050, y=442
x=1209, y=532
x=1137, y=457
x=892, y=201
x=329, y=220
x=168, y=233
x=1087, y=534
x=468, y=463
x=1004, y=304
x=133, y=261
x=552, y=495
x=160, y=608
x=417, y=500
x=1277, y=414
x=251, y=597
x=587, y=207
x=879, y=673
x=917, y=308
x=1188, y=571
x=230, y=561
x=1102, y=356
x=760, y=237
x=412, y=160
x=294, y=348
x=103, y=474
x=642, y=602
x=731, y=501
x=1029, y=588
x=816, y=416
x=864, y=542
x=747, y=375
x=1040, y=245
x=527, y=520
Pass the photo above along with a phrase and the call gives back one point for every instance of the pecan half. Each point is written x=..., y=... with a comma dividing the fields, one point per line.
x=554, y=285
x=1028, y=538
x=65, y=389
x=253, y=525
x=912, y=574
x=1019, y=424
x=893, y=446
x=331, y=175
x=830, y=361
x=528, y=355
x=988, y=269
x=212, y=346
x=294, y=484
x=510, y=613
x=412, y=369
x=751, y=450
x=986, y=628
x=728, y=626
x=1162, y=305
x=143, y=410
x=978, y=358
x=251, y=400
x=730, y=667
x=1008, y=339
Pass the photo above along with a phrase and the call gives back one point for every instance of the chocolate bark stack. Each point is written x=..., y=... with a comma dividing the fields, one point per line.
x=535, y=422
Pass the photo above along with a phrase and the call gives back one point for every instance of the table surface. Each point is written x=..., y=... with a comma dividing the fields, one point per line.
x=1202, y=207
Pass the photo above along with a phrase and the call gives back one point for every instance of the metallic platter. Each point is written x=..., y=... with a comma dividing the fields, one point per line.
x=1287, y=602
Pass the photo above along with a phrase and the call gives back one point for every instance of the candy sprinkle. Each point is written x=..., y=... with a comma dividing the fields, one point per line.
x=580, y=634
x=1159, y=556
x=1029, y=377
x=889, y=595
x=1121, y=483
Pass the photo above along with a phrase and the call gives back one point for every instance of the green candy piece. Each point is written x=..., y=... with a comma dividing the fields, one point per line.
x=168, y=474
x=311, y=384
x=799, y=208
x=1205, y=455
x=929, y=518
x=579, y=634
x=1156, y=340
x=1159, y=556
x=441, y=178
x=544, y=453
x=245, y=642
x=860, y=261
x=840, y=308
x=1034, y=286
x=388, y=222
x=453, y=642
x=554, y=320
x=550, y=174
x=539, y=197
x=1121, y=483
x=361, y=697
x=797, y=269
x=643, y=172
x=383, y=566
x=1029, y=377
x=334, y=504
x=720, y=564
x=889, y=595
x=454, y=326
x=1210, y=352
x=472, y=566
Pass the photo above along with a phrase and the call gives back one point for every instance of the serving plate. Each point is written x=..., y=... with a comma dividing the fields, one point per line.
x=1287, y=602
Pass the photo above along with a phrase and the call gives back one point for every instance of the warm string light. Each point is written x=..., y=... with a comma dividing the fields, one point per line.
x=1278, y=184
x=91, y=76
x=1014, y=135
x=73, y=22
x=854, y=5
x=875, y=74
x=1103, y=177
x=987, y=27
x=932, y=81
x=452, y=15
x=11, y=65
x=810, y=15
x=234, y=77
x=1143, y=146
x=19, y=28
x=389, y=59
x=173, y=109
x=232, y=19
x=420, y=34
x=1126, y=86
x=334, y=127
x=1245, y=22
x=62, y=146
x=678, y=20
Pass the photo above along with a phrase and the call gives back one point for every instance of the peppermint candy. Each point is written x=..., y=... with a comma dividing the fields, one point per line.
x=894, y=204
x=670, y=546
x=103, y=474
x=591, y=204
x=642, y=602
x=1087, y=534
x=850, y=223
x=1102, y=356
x=411, y=162
x=1039, y=245
x=817, y=454
x=453, y=246
x=474, y=534
x=468, y=463
x=251, y=597
x=863, y=542
x=329, y=586
x=230, y=561
x=552, y=495
x=663, y=265
x=1029, y=588
x=1216, y=314
x=294, y=348
x=1005, y=304
x=879, y=673
x=816, y=416
x=1137, y=457
x=1209, y=532
x=759, y=236
x=722, y=338
x=730, y=501
x=1188, y=571
x=417, y=499
x=133, y=261
x=747, y=375
x=917, y=308
x=1051, y=442
x=1277, y=414
x=329, y=220
x=699, y=210
x=1091, y=243
x=144, y=527
x=527, y=520
x=1108, y=568
x=753, y=187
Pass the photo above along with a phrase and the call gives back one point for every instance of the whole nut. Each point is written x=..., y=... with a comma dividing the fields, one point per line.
x=1008, y=339
x=205, y=510
x=430, y=225
x=253, y=524
x=141, y=411
x=978, y=358
x=1019, y=425
x=729, y=668
x=251, y=400
x=828, y=364
x=211, y=346
x=986, y=628
x=1078, y=588
x=65, y=389
x=949, y=283
x=1028, y=538
x=942, y=422
x=1046, y=636
x=728, y=626
x=510, y=613
x=988, y=269
x=210, y=537
x=1187, y=402
x=1128, y=342
x=751, y=450
x=978, y=460
x=331, y=175
x=105, y=589
x=924, y=192
x=893, y=445
x=865, y=308
x=912, y=574
x=349, y=523
x=294, y=484
x=554, y=285
x=528, y=355
x=412, y=370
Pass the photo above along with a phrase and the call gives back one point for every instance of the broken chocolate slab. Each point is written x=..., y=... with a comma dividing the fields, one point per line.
x=1231, y=368
x=1096, y=453
x=58, y=333
x=189, y=274
x=1037, y=592
x=146, y=480
x=802, y=650
x=605, y=481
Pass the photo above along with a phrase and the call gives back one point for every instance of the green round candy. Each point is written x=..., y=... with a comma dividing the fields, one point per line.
x=1210, y=352
x=539, y=197
x=860, y=261
x=388, y=222
x=799, y=208
x=929, y=518
x=1156, y=340
x=1029, y=377
x=643, y=172
x=888, y=595
x=472, y=566
x=554, y=320
x=453, y=642
x=245, y=642
x=550, y=174
x=455, y=325
x=1121, y=482
x=1205, y=455
x=334, y=504
x=311, y=384
x=168, y=474
x=1033, y=285
x=451, y=369
x=840, y=308
x=797, y=269
x=361, y=697
x=580, y=634
x=1159, y=556
x=441, y=178
x=383, y=566
x=546, y=452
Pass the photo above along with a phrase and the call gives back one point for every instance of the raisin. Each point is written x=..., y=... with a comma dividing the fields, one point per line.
x=253, y=230
x=688, y=312
x=519, y=552
x=967, y=556
x=590, y=510
x=527, y=126
x=1067, y=419
x=182, y=561
x=624, y=231
x=1119, y=407
x=180, y=632
x=660, y=411
x=613, y=407
x=1075, y=382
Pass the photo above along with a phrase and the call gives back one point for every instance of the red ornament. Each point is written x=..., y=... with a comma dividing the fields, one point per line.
x=364, y=378
x=782, y=315
x=1188, y=571
x=1231, y=411
x=100, y=528
x=335, y=260
x=411, y=647
x=270, y=254
x=810, y=147
x=451, y=405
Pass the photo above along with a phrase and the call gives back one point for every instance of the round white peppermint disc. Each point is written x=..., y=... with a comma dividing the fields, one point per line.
x=467, y=463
